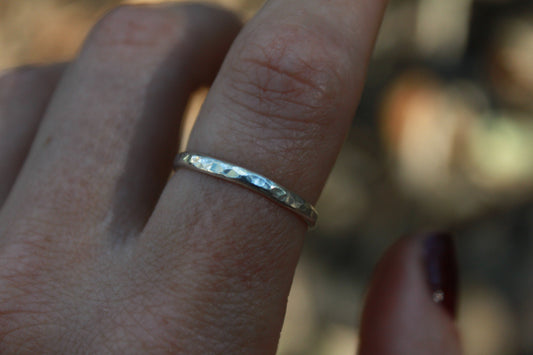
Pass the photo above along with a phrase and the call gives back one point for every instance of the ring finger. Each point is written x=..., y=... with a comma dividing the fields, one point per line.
x=281, y=106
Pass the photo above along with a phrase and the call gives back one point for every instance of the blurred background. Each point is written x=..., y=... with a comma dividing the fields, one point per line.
x=442, y=140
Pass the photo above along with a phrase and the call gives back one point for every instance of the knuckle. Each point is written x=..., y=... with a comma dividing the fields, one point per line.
x=134, y=26
x=286, y=84
x=292, y=74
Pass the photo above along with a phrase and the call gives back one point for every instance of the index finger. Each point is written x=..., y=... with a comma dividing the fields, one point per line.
x=281, y=106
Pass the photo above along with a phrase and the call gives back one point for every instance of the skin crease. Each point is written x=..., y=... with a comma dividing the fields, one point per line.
x=101, y=253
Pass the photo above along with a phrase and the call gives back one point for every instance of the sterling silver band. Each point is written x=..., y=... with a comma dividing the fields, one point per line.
x=250, y=180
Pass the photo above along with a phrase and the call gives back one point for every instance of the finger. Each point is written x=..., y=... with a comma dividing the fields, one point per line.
x=411, y=304
x=280, y=106
x=105, y=149
x=24, y=96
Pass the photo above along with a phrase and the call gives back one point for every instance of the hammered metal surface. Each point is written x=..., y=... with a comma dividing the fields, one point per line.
x=250, y=180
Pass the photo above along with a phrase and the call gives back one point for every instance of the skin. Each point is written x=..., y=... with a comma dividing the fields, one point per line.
x=100, y=252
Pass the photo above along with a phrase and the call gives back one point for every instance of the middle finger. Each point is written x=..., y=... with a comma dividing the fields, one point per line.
x=105, y=148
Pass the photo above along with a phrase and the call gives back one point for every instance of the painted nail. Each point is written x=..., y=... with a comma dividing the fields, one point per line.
x=441, y=267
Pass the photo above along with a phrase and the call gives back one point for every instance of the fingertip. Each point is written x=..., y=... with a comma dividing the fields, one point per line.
x=405, y=312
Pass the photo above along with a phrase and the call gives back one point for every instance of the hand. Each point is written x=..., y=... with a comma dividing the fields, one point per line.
x=101, y=253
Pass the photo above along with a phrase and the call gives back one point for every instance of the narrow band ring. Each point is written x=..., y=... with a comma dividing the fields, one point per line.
x=249, y=180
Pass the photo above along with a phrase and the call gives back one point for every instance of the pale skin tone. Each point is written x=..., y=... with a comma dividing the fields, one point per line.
x=100, y=252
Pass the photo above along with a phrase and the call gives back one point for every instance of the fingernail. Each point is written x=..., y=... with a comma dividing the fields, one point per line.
x=441, y=267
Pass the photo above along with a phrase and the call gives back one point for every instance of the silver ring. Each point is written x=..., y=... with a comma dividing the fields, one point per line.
x=250, y=180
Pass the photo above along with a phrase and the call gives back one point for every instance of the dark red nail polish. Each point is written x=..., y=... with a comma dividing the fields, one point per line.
x=441, y=267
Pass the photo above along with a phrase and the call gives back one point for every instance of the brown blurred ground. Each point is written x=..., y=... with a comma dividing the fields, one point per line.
x=442, y=139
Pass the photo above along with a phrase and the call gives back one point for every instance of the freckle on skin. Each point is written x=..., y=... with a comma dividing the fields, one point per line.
x=47, y=141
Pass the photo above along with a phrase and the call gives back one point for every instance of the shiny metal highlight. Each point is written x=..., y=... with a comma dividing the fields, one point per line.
x=249, y=180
